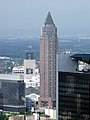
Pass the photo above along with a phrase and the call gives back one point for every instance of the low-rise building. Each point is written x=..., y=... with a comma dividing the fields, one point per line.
x=12, y=93
x=31, y=73
x=5, y=65
x=30, y=105
x=44, y=117
x=18, y=70
x=35, y=116
x=17, y=117
x=29, y=68
x=51, y=113
x=34, y=97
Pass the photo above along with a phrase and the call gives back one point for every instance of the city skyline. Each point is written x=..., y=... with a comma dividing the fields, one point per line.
x=25, y=17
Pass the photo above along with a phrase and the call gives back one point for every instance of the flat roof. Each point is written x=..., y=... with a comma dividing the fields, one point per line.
x=12, y=77
x=82, y=57
x=4, y=58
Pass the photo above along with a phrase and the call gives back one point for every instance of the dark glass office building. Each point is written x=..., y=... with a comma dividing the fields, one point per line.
x=12, y=93
x=73, y=93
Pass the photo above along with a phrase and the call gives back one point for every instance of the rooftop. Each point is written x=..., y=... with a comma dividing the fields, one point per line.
x=4, y=58
x=18, y=68
x=82, y=57
x=11, y=77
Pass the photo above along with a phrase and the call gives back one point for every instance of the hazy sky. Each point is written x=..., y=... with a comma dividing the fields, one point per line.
x=70, y=16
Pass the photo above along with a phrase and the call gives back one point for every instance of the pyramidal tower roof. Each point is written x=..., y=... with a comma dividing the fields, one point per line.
x=49, y=19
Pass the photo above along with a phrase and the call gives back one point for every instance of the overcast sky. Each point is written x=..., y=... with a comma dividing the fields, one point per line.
x=70, y=16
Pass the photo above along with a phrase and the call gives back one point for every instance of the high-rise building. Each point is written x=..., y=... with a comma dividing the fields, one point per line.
x=48, y=49
x=73, y=87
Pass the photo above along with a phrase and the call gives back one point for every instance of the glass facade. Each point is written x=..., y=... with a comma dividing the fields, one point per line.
x=12, y=95
x=73, y=95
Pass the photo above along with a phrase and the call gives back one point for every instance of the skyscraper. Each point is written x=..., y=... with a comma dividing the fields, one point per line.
x=48, y=49
x=73, y=87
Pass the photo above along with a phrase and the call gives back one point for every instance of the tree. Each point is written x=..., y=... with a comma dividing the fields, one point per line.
x=3, y=116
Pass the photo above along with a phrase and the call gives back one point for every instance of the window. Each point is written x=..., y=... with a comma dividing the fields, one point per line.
x=0, y=85
x=29, y=71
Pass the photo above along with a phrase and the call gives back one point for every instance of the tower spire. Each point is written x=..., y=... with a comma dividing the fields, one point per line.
x=49, y=19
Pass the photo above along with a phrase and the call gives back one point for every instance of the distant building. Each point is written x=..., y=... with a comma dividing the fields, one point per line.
x=34, y=97
x=34, y=84
x=48, y=50
x=31, y=73
x=30, y=105
x=35, y=116
x=31, y=102
x=12, y=93
x=17, y=117
x=73, y=87
x=44, y=117
x=31, y=90
x=29, y=68
x=18, y=70
x=29, y=55
x=5, y=66
x=51, y=112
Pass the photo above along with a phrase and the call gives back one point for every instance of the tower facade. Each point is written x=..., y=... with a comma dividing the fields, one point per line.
x=48, y=49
